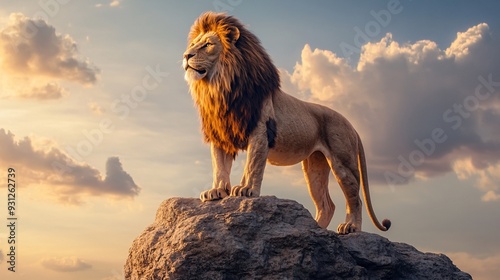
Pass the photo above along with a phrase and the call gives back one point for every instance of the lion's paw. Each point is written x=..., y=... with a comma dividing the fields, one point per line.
x=244, y=191
x=214, y=194
x=346, y=228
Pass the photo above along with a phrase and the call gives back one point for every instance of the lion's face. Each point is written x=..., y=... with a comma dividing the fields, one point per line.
x=201, y=57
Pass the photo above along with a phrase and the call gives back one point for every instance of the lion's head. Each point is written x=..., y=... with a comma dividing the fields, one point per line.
x=230, y=75
x=201, y=57
x=207, y=47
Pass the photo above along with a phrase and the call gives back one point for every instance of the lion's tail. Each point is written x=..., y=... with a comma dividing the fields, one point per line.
x=386, y=224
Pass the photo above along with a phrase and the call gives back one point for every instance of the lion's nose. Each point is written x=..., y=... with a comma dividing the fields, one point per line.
x=187, y=56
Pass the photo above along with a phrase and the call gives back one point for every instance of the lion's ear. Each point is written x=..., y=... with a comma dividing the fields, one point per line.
x=234, y=34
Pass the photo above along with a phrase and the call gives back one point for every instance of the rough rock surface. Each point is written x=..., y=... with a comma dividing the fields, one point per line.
x=268, y=238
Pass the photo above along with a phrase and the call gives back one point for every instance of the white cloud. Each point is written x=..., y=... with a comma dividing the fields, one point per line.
x=114, y=3
x=62, y=176
x=388, y=49
x=460, y=47
x=34, y=58
x=418, y=108
x=70, y=264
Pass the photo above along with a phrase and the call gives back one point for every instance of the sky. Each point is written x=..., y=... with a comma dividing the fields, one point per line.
x=98, y=125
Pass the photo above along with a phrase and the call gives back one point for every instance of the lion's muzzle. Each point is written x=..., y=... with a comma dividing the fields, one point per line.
x=192, y=73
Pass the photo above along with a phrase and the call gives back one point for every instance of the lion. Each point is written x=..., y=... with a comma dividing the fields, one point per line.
x=236, y=88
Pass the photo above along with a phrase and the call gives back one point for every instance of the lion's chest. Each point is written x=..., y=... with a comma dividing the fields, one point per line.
x=229, y=118
x=226, y=127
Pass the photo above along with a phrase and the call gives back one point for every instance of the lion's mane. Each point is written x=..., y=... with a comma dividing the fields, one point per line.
x=230, y=101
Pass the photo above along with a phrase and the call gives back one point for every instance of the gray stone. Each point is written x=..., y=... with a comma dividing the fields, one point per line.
x=268, y=238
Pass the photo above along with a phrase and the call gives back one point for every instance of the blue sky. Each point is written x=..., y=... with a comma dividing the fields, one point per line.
x=99, y=93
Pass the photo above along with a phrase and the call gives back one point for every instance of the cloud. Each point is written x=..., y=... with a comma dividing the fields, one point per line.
x=71, y=264
x=62, y=176
x=47, y=91
x=419, y=109
x=114, y=3
x=479, y=268
x=117, y=179
x=460, y=47
x=34, y=58
x=96, y=108
x=487, y=178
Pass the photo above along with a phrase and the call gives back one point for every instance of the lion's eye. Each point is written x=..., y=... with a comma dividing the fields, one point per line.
x=207, y=44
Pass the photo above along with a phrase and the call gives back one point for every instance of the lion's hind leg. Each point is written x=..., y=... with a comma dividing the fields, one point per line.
x=348, y=178
x=316, y=172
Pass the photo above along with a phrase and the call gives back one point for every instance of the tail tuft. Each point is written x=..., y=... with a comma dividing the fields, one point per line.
x=386, y=223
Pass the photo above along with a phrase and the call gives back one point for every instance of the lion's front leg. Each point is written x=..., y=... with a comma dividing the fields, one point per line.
x=254, y=168
x=221, y=165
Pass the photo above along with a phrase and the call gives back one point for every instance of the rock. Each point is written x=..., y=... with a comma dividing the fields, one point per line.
x=268, y=238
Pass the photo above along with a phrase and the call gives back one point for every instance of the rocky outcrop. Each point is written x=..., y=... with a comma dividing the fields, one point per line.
x=268, y=238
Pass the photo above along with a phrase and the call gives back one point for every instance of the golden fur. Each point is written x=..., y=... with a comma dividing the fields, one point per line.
x=237, y=90
x=230, y=100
